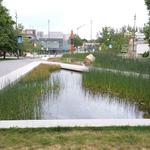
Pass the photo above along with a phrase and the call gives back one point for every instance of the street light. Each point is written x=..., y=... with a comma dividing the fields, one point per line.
x=80, y=27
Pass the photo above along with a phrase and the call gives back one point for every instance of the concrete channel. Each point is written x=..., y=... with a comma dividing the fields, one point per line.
x=15, y=75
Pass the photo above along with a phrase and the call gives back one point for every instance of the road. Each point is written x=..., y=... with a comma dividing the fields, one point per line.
x=11, y=65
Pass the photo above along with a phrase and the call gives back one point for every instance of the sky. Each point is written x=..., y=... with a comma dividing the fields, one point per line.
x=67, y=15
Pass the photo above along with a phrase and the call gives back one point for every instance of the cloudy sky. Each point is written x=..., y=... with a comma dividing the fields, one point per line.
x=65, y=15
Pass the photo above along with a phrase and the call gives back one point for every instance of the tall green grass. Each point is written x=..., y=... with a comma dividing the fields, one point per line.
x=74, y=57
x=111, y=60
x=21, y=100
x=132, y=88
x=79, y=56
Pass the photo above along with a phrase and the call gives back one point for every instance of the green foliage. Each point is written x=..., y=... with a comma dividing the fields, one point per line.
x=104, y=47
x=109, y=59
x=22, y=100
x=147, y=2
x=77, y=41
x=26, y=46
x=7, y=33
x=147, y=32
x=37, y=47
x=145, y=54
x=147, y=27
x=116, y=38
x=129, y=87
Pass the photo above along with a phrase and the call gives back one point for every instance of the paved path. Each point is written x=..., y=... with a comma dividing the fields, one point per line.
x=13, y=70
x=11, y=65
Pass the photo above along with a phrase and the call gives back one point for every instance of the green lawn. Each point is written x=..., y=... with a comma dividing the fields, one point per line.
x=109, y=138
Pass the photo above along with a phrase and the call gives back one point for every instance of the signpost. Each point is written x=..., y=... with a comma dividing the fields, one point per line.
x=20, y=39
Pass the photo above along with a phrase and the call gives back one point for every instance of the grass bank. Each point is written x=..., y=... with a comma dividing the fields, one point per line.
x=21, y=100
x=109, y=138
x=132, y=88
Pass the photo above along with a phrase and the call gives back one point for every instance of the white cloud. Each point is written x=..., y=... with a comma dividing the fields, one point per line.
x=65, y=15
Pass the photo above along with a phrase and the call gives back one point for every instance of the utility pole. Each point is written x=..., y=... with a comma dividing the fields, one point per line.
x=134, y=30
x=48, y=28
x=16, y=16
x=91, y=34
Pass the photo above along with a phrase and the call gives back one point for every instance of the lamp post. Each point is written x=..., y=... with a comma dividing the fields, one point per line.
x=80, y=27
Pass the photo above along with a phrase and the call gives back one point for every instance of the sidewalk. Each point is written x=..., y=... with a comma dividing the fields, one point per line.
x=12, y=65
x=13, y=70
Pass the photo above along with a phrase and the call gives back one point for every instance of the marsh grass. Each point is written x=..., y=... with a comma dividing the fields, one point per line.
x=75, y=58
x=112, y=61
x=78, y=56
x=132, y=88
x=20, y=100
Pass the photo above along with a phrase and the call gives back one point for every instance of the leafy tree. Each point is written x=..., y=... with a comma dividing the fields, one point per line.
x=147, y=2
x=7, y=33
x=84, y=40
x=147, y=26
x=27, y=44
x=116, y=38
x=106, y=36
x=147, y=32
x=77, y=41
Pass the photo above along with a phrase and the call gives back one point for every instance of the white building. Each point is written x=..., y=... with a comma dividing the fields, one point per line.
x=141, y=45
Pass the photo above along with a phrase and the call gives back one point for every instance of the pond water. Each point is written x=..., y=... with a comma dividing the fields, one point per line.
x=72, y=101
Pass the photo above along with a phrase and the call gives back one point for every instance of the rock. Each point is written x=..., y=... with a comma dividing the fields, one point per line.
x=89, y=59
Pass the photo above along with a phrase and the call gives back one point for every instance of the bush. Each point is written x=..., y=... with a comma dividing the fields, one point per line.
x=145, y=54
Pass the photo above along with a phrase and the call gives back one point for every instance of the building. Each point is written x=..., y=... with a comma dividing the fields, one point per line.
x=40, y=34
x=30, y=33
x=141, y=45
x=55, y=41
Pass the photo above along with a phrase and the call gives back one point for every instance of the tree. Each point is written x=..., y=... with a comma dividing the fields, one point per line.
x=7, y=33
x=77, y=41
x=106, y=36
x=147, y=2
x=147, y=26
x=147, y=32
x=117, y=38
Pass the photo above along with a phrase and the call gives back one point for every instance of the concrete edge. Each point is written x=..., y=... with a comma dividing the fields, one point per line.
x=73, y=123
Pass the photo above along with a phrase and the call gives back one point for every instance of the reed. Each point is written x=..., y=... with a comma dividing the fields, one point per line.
x=132, y=88
x=111, y=60
x=21, y=100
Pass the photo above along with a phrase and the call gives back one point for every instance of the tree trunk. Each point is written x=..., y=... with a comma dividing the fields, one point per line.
x=17, y=54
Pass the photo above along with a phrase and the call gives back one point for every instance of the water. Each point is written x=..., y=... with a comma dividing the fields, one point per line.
x=72, y=101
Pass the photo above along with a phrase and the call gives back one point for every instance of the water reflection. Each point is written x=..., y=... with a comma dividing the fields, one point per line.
x=74, y=102
x=66, y=99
